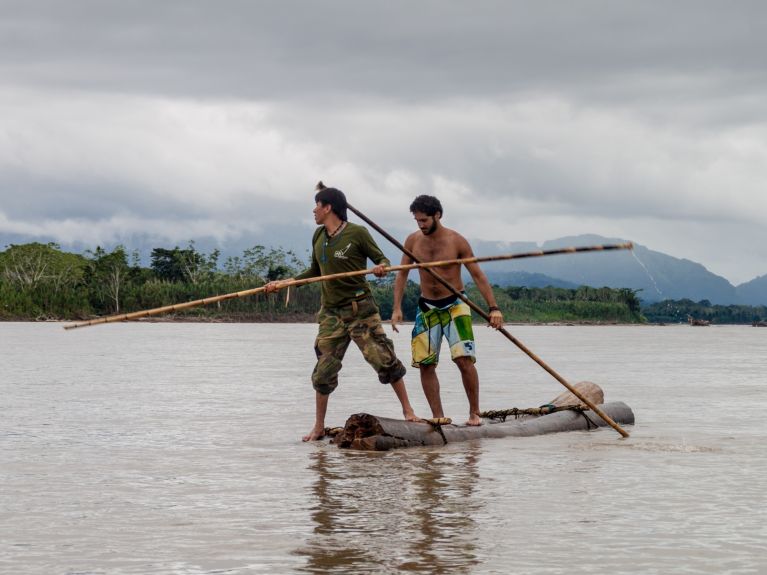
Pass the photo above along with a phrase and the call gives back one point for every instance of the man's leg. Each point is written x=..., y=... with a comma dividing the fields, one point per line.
x=425, y=343
x=430, y=385
x=470, y=379
x=460, y=336
x=378, y=350
x=380, y=355
x=401, y=392
x=321, y=408
x=330, y=347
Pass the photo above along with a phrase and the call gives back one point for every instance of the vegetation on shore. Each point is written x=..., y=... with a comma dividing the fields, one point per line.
x=41, y=282
x=678, y=311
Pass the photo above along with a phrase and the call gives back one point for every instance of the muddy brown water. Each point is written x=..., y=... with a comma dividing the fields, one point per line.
x=175, y=449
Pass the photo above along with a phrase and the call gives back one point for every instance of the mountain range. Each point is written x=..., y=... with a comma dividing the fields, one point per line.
x=656, y=275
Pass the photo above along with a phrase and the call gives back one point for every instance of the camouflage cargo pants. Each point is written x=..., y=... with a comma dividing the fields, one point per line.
x=361, y=323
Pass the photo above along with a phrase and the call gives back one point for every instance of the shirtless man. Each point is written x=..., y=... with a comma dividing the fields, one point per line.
x=440, y=312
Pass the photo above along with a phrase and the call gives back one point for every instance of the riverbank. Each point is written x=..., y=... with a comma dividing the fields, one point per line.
x=312, y=318
x=303, y=317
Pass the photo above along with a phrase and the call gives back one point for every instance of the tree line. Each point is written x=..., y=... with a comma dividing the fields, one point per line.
x=40, y=282
x=678, y=311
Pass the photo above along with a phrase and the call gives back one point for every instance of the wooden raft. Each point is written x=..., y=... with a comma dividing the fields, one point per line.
x=371, y=433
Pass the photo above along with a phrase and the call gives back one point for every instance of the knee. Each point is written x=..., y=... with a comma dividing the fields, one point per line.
x=465, y=364
x=428, y=369
x=324, y=383
x=325, y=374
x=324, y=387
x=391, y=373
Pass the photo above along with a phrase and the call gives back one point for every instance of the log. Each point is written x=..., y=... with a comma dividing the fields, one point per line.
x=589, y=390
x=371, y=433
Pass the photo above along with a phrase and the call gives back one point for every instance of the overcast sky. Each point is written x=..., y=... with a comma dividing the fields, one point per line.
x=186, y=119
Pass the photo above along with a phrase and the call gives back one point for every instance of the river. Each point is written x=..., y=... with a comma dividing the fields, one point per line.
x=172, y=448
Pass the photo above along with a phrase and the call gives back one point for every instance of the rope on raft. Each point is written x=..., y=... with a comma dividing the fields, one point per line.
x=516, y=412
x=437, y=423
x=502, y=414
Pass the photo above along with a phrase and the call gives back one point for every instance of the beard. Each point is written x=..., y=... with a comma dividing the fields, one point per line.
x=432, y=228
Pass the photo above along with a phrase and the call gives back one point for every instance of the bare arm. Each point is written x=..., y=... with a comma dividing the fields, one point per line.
x=480, y=279
x=399, y=288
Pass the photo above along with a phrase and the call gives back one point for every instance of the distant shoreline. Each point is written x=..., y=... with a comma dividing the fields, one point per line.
x=299, y=317
x=311, y=318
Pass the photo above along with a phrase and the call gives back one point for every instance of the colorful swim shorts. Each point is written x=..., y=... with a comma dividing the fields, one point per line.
x=451, y=318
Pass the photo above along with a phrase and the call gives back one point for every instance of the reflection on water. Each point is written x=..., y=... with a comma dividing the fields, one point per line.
x=374, y=512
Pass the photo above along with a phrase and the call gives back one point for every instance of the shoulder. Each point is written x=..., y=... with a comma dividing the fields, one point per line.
x=357, y=230
x=413, y=238
x=454, y=237
x=317, y=233
x=460, y=243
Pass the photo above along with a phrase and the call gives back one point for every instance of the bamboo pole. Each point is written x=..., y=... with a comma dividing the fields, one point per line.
x=291, y=283
x=502, y=330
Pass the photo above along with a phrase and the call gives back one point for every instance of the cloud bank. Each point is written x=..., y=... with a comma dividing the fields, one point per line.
x=529, y=121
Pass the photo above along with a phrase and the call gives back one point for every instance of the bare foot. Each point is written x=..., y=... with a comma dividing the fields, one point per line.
x=411, y=416
x=474, y=420
x=314, y=435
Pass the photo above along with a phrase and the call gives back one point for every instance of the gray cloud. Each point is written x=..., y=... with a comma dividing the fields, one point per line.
x=398, y=49
x=179, y=120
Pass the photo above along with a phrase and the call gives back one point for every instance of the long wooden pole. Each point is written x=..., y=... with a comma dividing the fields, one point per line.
x=253, y=291
x=502, y=330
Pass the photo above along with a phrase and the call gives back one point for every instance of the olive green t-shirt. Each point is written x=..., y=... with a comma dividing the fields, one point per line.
x=346, y=252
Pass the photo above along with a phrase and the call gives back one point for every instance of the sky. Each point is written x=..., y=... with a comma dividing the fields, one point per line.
x=156, y=123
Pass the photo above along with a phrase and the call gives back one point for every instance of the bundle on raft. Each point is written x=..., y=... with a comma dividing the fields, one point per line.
x=565, y=413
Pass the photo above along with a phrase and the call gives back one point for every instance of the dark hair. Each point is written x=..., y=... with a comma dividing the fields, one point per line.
x=428, y=205
x=332, y=196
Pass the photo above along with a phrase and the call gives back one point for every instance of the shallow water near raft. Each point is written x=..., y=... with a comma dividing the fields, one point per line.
x=175, y=448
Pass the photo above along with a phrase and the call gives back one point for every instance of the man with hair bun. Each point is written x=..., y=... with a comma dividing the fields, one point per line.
x=348, y=312
x=440, y=312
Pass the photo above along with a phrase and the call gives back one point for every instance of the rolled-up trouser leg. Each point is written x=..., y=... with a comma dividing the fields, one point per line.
x=330, y=347
x=368, y=333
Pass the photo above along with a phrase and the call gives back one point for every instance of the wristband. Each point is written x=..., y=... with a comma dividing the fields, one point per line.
x=493, y=308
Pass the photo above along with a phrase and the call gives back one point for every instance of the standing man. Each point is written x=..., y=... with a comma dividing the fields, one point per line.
x=441, y=312
x=348, y=310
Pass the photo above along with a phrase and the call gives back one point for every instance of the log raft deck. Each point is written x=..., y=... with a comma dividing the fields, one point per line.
x=367, y=432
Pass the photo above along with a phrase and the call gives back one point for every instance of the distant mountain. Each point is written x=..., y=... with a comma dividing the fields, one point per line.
x=527, y=279
x=753, y=292
x=657, y=275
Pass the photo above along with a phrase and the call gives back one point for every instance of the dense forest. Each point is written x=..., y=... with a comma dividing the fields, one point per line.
x=42, y=282
x=679, y=311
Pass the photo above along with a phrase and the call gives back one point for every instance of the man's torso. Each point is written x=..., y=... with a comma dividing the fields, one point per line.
x=445, y=245
x=346, y=252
